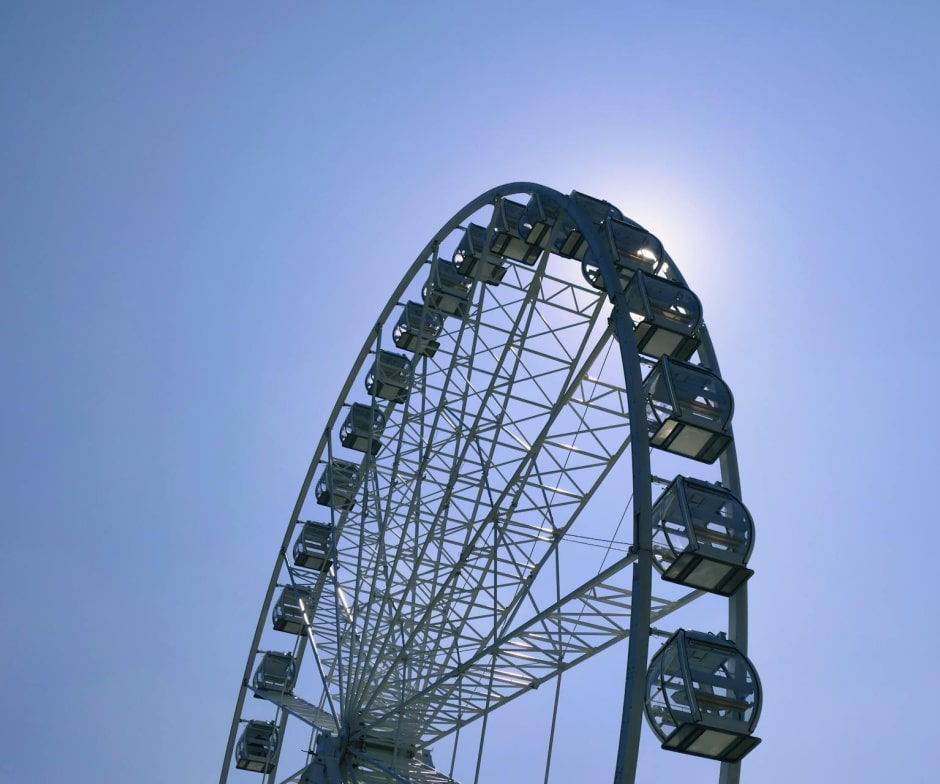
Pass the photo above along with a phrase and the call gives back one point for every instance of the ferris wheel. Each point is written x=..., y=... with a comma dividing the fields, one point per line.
x=467, y=531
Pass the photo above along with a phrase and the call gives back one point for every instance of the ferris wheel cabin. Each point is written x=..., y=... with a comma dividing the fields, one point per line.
x=276, y=672
x=390, y=377
x=293, y=608
x=507, y=241
x=362, y=429
x=702, y=536
x=666, y=317
x=703, y=697
x=338, y=484
x=416, y=329
x=688, y=410
x=257, y=747
x=313, y=548
x=472, y=260
x=447, y=291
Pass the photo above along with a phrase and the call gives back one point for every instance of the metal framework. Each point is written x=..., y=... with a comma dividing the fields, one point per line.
x=437, y=570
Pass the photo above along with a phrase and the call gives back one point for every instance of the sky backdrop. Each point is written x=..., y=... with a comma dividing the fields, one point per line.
x=203, y=207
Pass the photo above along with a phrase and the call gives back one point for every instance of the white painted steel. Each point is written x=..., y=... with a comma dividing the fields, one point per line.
x=438, y=609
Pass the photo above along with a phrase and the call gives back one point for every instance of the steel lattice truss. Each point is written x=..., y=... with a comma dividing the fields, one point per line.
x=444, y=602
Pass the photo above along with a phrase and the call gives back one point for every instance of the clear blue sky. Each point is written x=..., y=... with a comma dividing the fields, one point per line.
x=203, y=207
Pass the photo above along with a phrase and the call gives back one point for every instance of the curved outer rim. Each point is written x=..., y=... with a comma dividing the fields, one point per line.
x=638, y=645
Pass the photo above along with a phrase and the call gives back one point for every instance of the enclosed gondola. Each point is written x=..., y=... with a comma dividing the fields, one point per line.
x=703, y=697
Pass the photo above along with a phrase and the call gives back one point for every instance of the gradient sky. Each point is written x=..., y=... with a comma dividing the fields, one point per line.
x=203, y=207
